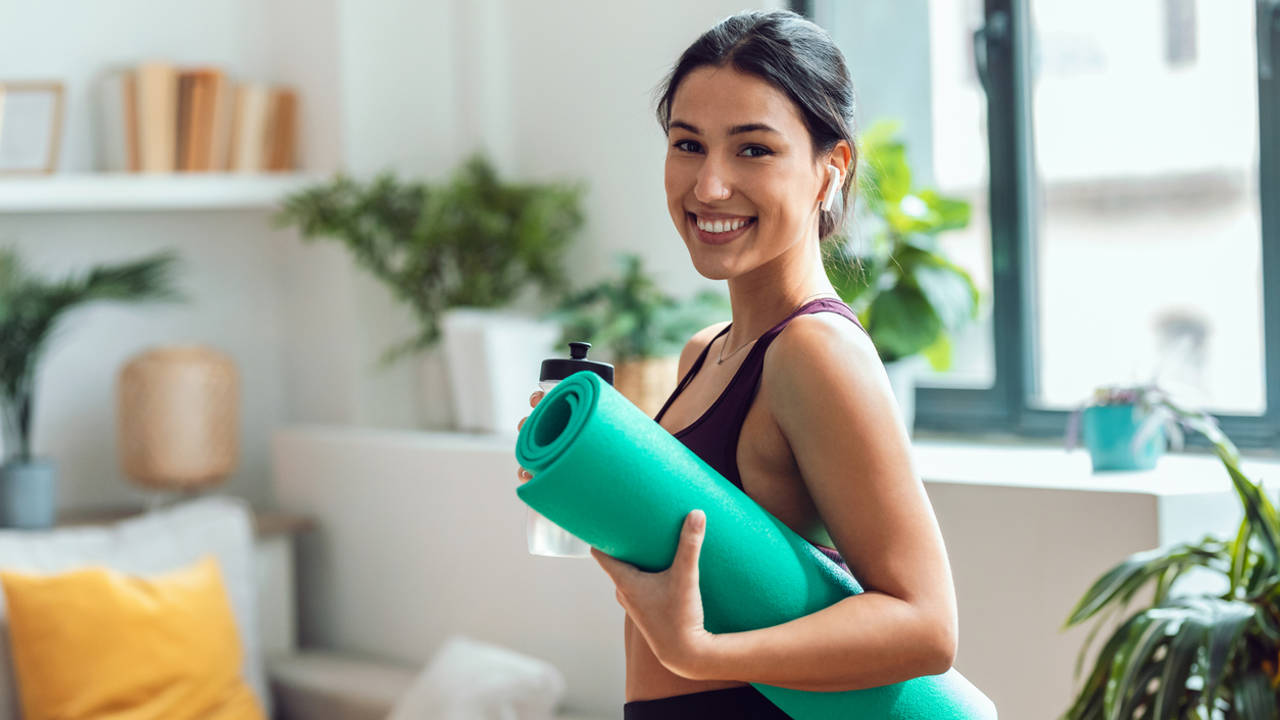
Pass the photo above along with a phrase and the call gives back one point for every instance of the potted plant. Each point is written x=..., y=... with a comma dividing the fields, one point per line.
x=642, y=327
x=1127, y=427
x=1192, y=655
x=456, y=252
x=906, y=292
x=30, y=310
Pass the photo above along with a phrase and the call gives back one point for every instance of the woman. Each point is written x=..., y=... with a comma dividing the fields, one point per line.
x=796, y=408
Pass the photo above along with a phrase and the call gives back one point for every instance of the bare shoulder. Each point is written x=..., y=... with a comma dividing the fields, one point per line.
x=824, y=342
x=823, y=371
x=699, y=340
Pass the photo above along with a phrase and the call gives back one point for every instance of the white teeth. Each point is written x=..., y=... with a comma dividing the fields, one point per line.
x=721, y=226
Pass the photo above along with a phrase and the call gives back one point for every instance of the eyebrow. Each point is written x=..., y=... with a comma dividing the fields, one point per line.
x=735, y=130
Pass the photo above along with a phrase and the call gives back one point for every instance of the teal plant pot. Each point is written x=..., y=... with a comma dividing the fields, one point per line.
x=1109, y=431
x=28, y=494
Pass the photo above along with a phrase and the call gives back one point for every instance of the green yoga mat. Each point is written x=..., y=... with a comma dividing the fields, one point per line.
x=609, y=474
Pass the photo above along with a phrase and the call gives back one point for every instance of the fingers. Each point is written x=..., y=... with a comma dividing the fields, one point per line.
x=614, y=567
x=691, y=536
x=522, y=474
x=603, y=561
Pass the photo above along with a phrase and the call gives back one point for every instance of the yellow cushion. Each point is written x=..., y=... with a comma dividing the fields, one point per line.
x=96, y=643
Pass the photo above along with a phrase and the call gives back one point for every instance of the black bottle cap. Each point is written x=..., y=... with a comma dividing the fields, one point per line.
x=561, y=368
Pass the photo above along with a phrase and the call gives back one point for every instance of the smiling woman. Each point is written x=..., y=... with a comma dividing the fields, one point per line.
x=760, y=161
x=759, y=166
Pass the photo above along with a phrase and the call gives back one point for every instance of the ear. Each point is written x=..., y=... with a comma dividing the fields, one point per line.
x=842, y=157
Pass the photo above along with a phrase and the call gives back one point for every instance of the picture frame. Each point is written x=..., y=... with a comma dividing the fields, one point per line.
x=31, y=116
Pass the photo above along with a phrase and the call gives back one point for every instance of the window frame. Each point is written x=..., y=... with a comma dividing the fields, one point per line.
x=1006, y=408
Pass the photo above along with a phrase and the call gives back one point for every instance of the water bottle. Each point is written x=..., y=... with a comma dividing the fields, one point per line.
x=545, y=537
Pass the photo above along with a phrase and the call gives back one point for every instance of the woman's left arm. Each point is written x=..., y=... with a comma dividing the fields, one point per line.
x=833, y=403
x=832, y=400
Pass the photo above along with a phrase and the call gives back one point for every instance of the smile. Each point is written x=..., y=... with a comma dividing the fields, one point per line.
x=720, y=230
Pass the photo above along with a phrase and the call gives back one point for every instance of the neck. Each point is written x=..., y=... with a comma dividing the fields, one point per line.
x=764, y=296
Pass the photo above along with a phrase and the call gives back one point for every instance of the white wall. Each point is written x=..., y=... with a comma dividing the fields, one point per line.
x=227, y=266
x=553, y=90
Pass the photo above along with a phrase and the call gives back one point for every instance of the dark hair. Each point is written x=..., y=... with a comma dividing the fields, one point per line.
x=795, y=56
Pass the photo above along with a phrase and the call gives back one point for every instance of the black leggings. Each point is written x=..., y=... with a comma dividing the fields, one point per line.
x=743, y=701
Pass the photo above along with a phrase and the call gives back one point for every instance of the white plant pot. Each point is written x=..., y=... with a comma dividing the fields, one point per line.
x=493, y=358
x=902, y=378
x=436, y=410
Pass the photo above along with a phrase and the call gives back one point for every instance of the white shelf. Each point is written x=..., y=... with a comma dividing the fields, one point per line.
x=88, y=192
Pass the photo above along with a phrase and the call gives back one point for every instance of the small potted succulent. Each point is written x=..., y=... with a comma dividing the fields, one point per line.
x=908, y=295
x=31, y=309
x=1128, y=427
x=641, y=327
x=459, y=253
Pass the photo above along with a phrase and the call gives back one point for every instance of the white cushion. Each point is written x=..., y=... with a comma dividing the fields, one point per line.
x=468, y=679
x=153, y=543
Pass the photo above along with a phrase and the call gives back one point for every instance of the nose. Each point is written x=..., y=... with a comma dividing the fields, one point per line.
x=712, y=184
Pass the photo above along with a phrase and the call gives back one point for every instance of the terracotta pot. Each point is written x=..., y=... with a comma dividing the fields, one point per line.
x=178, y=413
x=647, y=382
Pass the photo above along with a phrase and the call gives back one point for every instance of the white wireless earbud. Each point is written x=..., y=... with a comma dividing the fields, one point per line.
x=833, y=186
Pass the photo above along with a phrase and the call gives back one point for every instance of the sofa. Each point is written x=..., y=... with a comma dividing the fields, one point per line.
x=291, y=683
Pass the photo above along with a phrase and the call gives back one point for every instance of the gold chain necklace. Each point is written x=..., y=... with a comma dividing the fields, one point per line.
x=722, y=357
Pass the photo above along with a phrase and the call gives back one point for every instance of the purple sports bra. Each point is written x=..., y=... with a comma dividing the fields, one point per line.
x=714, y=436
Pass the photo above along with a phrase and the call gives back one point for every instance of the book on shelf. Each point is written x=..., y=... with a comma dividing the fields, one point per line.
x=156, y=98
x=118, y=141
x=159, y=117
x=204, y=120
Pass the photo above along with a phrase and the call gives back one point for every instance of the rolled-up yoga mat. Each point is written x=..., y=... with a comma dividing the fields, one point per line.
x=609, y=474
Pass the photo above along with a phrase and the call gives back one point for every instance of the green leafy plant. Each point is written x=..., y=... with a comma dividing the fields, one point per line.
x=632, y=317
x=473, y=241
x=906, y=292
x=30, y=311
x=1191, y=655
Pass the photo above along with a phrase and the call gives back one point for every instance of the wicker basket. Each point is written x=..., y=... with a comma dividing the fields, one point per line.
x=178, y=412
x=647, y=382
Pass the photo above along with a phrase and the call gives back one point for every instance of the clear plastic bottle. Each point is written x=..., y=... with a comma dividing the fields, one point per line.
x=545, y=537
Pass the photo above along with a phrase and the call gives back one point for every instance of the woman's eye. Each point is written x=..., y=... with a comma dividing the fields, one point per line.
x=686, y=145
x=757, y=151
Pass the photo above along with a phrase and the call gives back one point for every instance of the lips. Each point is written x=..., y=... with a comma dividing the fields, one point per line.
x=707, y=232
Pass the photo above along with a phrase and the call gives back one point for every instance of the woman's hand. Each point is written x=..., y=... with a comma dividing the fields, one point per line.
x=522, y=474
x=667, y=605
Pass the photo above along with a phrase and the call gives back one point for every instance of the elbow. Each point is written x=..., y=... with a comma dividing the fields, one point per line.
x=944, y=655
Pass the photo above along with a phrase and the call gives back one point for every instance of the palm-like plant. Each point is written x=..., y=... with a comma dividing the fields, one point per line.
x=1192, y=655
x=30, y=310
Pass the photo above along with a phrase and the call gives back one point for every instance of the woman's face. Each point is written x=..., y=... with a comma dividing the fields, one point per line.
x=742, y=183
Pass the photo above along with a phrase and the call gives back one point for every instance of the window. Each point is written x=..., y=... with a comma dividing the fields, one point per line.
x=1116, y=156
